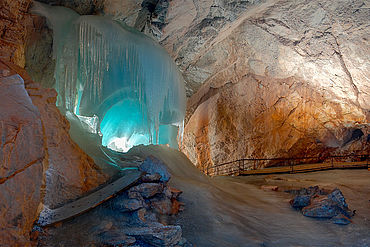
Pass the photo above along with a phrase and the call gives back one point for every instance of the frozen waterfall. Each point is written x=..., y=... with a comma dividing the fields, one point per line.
x=117, y=81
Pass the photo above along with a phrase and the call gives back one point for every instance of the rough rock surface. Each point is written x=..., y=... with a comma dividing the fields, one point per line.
x=71, y=172
x=39, y=161
x=157, y=236
x=317, y=203
x=153, y=166
x=271, y=78
x=13, y=22
x=146, y=190
x=21, y=160
x=83, y=7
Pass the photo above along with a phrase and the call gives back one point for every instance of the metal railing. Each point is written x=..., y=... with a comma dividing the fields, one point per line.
x=237, y=167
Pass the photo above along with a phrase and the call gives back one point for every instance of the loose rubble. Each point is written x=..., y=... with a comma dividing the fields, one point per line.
x=320, y=203
x=150, y=203
x=143, y=215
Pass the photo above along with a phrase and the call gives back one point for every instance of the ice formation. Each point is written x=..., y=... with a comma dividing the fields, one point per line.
x=119, y=82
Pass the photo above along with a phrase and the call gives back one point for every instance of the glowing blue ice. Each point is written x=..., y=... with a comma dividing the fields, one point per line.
x=122, y=77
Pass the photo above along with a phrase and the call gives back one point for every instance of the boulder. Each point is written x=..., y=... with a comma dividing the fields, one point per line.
x=321, y=203
x=171, y=192
x=340, y=219
x=162, y=206
x=337, y=197
x=127, y=205
x=157, y=236
x=176, y=206
x=36, y=153
x=146, y=190
x=152, y=165
x=321, y=207
x=301, y=201
x=114, y=238
x=150, y=178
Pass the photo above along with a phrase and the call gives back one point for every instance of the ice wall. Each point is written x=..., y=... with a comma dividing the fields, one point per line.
x=107, y=70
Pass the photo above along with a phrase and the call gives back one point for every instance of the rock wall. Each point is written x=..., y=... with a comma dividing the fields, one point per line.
x=13, y=22
x=264, y=117
x=71, y=172
x=40, y=164
x=22, y=160
x=272, y=78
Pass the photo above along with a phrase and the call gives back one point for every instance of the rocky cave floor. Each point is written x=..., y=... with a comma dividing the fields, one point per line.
x=280, y=225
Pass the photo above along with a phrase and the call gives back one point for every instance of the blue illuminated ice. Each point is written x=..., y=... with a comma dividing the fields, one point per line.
x=117, y=81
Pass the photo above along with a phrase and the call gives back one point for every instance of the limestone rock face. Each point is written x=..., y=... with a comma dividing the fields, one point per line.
x=13, y=22
x=39, y=163
x=21, y=160
x=261, y=117
x=83, y=7
x=71, y=172
x=272, y=78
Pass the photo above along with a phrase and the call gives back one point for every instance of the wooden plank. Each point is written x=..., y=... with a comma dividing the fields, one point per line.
x=306, y=168
x=84, y=204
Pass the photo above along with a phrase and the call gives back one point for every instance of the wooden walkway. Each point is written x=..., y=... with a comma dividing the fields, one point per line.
x=254, y=166
x=84, y=204
x=306, y=168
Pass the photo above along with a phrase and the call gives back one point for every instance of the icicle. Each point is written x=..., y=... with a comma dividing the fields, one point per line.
x=128, y=81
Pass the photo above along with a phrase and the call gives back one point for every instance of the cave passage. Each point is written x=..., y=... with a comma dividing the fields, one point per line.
x=120, y=83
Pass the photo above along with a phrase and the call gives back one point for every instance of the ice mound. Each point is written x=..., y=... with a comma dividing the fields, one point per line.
x=108, y=71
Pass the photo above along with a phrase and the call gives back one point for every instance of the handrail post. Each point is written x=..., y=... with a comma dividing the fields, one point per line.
x=240, y=167
x=291, y=164
x=332, y=162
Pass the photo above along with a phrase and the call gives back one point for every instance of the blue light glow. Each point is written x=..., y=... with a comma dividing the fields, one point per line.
x=109, y=71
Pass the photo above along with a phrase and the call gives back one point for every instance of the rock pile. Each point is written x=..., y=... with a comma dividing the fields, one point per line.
x=151, y=205
x=143, y=215
x=320, y=203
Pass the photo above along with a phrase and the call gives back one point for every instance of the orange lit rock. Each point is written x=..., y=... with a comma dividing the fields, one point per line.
x=13, y=21
x=71, y=172
x=21, y=160
x=263, y=84
x=269, y=187
x=39, y=163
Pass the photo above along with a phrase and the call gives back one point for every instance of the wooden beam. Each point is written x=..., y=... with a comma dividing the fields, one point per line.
x=84, y=204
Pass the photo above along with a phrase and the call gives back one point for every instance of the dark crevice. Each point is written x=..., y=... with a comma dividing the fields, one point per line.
x=4, y=179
